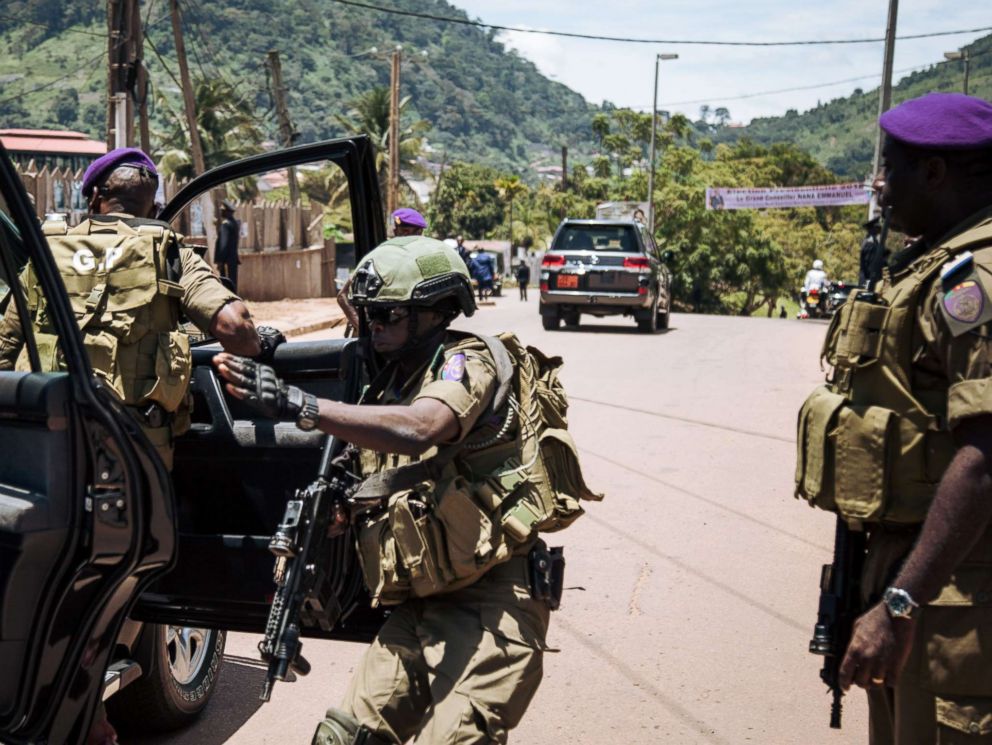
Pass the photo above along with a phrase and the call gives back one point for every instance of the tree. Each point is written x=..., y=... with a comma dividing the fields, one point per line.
x=370, y=115
x=65, y=107
x=466, y=201
x=226, y=121
x=722, y=116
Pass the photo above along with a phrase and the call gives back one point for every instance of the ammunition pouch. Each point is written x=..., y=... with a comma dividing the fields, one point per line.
x=867, y=463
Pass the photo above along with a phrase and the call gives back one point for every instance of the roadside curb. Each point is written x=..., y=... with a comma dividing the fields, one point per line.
x=319, y=326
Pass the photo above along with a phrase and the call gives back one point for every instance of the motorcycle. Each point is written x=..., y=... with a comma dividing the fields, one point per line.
x=812, y=304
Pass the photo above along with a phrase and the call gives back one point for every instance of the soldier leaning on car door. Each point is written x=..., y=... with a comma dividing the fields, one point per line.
x=461, y=654
x=129, y=280
x=899, y=440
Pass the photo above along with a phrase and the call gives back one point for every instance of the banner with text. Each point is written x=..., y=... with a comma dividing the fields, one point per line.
x=835, y=195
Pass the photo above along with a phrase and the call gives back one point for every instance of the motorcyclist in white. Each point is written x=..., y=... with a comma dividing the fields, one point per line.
x=815, y=277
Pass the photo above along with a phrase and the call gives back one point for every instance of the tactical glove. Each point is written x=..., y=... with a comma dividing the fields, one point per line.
x=268, y=338
x=263, y=390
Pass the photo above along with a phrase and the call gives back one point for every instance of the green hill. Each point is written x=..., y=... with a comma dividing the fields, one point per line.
x=483, y=102
x=840, y=133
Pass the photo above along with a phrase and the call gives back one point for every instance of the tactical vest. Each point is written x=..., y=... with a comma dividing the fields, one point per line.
x=117, y=279
x=451, y=518
x=873, y=442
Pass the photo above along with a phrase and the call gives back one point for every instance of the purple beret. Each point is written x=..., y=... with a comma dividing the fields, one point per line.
x=105, y=164
x=407, y=216
x=941, y=121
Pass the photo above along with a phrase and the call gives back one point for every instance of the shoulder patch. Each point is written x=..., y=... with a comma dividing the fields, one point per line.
x=965, y=302
x=454, y=368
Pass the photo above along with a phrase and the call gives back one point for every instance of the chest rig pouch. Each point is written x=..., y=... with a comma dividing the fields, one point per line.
x=126, y=300
x=446, y=522
x=872, y=443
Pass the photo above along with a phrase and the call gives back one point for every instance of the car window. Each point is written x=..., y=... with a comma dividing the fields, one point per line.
x=597, y=238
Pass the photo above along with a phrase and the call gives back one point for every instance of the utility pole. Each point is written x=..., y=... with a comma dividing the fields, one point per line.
x=658, y=59
x=564, y=167
x=199, y=163
x=119, y=40
x=392, y=191
x=285, y=124
x=885, y=93
x=138, y=74
x=963, y=56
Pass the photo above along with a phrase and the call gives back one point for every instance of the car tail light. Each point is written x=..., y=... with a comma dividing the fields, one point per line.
x=544, y=286
x=642, y=290
x=636, y=262
x=553, y=260
x=814, y=291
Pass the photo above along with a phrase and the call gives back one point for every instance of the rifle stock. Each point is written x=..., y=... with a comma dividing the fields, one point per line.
x=840, y=604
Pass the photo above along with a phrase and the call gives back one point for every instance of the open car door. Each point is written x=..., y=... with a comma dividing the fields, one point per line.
x=234, y=471
x=86, y=508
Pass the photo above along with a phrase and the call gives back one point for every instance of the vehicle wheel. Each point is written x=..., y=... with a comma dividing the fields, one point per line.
x=550, y=323
x=663, y=319
x=180, y=679
x=572, y=319
x=649, y=325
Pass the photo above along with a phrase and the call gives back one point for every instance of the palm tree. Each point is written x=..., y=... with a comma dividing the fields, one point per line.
x=370, y=115
x=510, y=187
x=228, y=126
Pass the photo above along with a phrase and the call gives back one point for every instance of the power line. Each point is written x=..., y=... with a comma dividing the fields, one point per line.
x=635, y=40
x=16, y=19
x=743, y=96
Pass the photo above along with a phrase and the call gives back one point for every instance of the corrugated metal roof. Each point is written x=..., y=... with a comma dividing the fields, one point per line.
x=50, y=141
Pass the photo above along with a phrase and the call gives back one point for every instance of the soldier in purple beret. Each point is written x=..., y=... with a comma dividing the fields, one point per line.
x=408, y=221
x=915, y=356
x=99, y=169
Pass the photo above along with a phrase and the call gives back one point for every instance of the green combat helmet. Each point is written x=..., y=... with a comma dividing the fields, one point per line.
x=414, y=271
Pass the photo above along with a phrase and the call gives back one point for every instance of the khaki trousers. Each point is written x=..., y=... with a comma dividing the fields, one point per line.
x=457, y=668
x=933, y=701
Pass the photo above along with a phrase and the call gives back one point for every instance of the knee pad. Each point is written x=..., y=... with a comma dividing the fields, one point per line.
x=340, y=728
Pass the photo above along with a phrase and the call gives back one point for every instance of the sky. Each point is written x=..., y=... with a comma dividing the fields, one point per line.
x=719, y=76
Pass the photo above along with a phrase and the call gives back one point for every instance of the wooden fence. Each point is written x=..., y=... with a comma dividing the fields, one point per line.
x=282, y=246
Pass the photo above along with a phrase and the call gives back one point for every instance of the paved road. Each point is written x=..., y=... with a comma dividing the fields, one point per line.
x=693, y=587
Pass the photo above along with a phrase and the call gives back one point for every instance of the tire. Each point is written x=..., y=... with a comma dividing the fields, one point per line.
x=663, y=319
x=649, y=325
x=181, y=676
x=550, y=323
x=572, y=320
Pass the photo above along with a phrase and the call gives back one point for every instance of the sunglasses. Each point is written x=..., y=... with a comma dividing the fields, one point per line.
x=386, y=316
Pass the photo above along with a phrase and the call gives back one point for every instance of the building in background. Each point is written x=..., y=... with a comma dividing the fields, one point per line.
x=52, y=148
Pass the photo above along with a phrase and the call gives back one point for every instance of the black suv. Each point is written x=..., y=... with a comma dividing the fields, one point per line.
x=92, y=528
x=604, y=268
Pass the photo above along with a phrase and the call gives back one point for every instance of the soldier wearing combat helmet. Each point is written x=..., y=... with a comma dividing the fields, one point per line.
x=444, y=457
x=129, y=280
x=899, y=441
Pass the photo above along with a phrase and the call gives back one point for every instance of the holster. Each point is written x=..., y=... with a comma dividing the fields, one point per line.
x=547, y=573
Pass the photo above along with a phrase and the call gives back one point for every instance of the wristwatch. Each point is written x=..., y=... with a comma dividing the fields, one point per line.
x=899, y=603
x=309, y=413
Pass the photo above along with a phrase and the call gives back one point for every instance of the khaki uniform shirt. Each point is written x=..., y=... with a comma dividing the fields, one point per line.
x=462, y=376
x=203, y=297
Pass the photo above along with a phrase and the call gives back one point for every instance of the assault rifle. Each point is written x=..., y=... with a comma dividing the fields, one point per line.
x=310, y=567
x=878, y=255
x=840, y=603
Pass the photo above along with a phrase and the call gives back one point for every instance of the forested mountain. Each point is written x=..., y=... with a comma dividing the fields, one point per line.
x=840, y=133
x=482, y=102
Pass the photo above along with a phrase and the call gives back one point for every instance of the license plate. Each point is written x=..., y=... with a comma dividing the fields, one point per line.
x=568, y=281
x=812, y=300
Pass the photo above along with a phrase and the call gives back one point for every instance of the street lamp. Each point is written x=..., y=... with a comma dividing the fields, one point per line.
x=658, y=58
x=963, y=56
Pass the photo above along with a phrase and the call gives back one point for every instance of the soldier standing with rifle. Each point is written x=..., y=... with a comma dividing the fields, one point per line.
x=455, y=491
x=899, y=443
